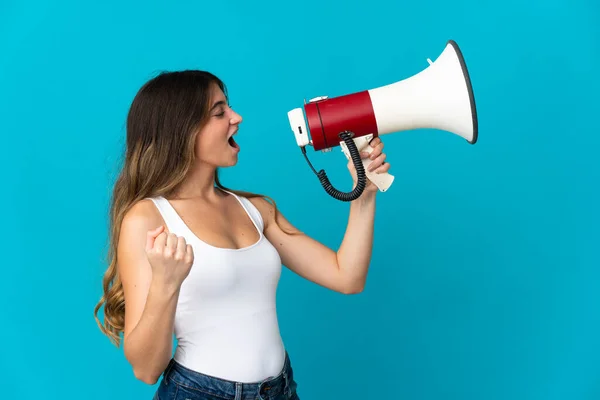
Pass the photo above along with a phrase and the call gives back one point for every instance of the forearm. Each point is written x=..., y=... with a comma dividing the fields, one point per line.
x=354, y=254
x=149, y=346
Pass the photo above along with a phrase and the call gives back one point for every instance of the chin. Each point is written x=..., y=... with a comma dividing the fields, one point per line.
x=230, y=163
x=223, y=160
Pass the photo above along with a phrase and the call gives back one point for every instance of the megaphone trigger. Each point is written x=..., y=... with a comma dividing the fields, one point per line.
x=384, y=180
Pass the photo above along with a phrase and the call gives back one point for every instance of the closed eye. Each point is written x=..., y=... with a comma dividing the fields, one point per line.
x=222, y=111
x=219, y=105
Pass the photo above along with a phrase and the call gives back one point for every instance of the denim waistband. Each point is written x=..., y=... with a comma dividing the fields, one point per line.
x=192, y=381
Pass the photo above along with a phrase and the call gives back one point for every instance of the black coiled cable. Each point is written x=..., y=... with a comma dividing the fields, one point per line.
x=361, y=177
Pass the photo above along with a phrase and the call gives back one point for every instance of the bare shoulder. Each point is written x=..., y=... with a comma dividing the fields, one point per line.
x=137, y=221
x=266, y=209
x=275, y=223
x=142, y=215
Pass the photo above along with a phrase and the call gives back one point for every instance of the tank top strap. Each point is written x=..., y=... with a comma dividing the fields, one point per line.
x=251, y=210
x=172, y=220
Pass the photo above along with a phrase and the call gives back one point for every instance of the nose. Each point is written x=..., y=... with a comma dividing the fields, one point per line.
x=235, y=118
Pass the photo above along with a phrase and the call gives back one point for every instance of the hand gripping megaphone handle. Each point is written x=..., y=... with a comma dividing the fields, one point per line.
x=382, y=181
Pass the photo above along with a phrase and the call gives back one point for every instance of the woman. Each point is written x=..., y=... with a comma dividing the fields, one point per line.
x=192, y=258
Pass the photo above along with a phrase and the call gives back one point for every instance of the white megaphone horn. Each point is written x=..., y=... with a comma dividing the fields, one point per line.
x=439, y=97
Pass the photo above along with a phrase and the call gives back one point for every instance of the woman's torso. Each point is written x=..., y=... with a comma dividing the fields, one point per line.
x=226, y=320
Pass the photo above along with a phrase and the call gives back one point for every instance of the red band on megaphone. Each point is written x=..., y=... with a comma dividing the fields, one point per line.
x=328, y=118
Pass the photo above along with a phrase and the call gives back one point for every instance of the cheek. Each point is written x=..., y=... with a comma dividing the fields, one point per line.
x=206, y=144
x=203, y=143
x=212, y=136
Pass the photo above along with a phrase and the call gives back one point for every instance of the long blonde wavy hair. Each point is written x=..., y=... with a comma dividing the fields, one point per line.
x=162, y=124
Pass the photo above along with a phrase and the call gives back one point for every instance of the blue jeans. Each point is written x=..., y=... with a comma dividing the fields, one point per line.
x=181, y=383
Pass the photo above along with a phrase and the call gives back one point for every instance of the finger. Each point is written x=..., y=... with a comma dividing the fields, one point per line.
x=364, y=154
x=377, y=162
x=160, y=241
x=171, y=242
x=189, y=254
x=151, y=236
x=181, y=248
x=375, y=141
x=383, y=168
x=377, y=150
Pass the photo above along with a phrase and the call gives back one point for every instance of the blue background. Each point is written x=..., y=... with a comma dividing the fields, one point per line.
x=484, y=280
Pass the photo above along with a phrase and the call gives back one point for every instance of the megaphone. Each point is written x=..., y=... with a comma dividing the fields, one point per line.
x=439, y=97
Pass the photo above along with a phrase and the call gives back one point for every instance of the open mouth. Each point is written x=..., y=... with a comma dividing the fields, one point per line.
x=233, y=143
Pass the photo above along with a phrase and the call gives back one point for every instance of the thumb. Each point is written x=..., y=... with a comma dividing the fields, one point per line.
x=151, y=235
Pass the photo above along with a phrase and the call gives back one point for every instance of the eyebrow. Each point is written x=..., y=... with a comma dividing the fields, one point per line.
x=218, y=103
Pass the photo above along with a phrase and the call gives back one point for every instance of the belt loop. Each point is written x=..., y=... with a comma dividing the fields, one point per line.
x=238, y=391
x=169, y=367
x=287, y=382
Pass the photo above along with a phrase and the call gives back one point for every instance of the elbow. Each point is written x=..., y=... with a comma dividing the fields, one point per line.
x=146, y=376
x=144, y=373
x=145, y=370
x=356, y=288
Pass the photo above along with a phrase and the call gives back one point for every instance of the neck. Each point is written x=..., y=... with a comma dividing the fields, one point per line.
x=199, y=184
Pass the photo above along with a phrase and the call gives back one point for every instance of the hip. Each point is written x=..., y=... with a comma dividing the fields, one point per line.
x=182, y=383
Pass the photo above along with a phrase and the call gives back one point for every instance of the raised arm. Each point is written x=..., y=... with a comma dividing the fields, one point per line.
x=344, y=270
x=152, y=264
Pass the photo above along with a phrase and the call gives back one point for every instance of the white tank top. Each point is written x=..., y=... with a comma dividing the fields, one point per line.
x=226, y=320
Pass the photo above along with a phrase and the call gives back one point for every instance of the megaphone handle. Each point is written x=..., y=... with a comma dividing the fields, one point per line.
x=382, y=181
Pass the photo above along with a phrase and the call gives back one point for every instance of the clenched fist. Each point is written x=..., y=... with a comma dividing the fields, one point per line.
x=170, y=256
